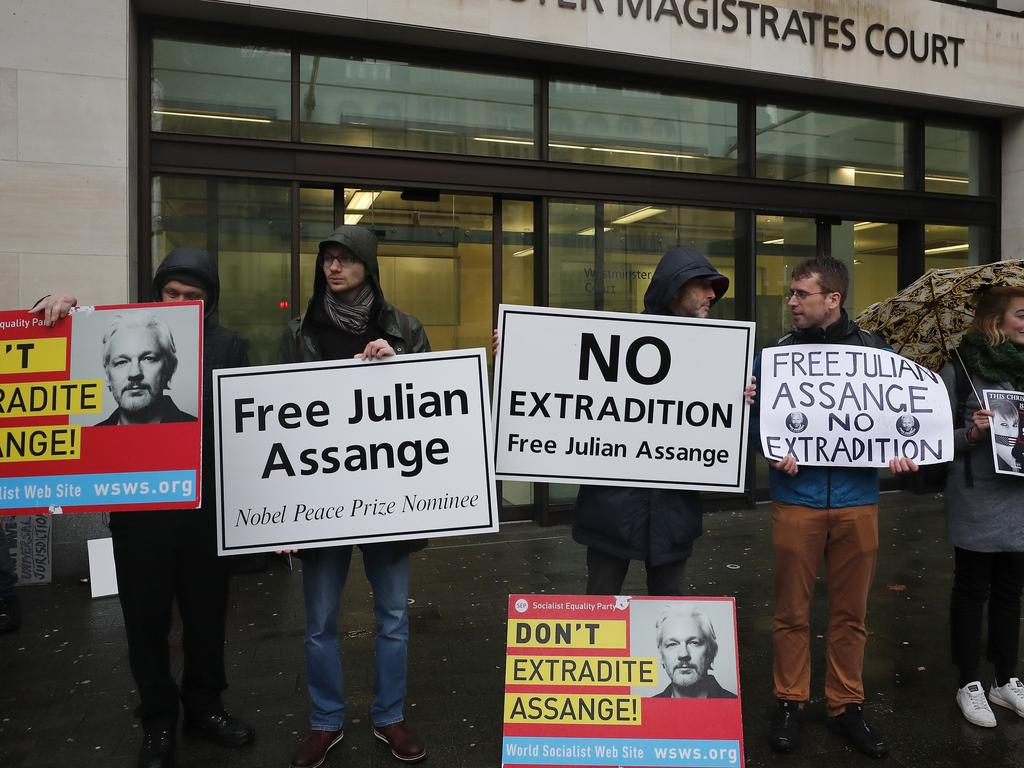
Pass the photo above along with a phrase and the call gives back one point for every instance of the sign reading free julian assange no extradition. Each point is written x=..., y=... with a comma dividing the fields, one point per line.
x=609, y=398
x=350, y=452
x=851, y=407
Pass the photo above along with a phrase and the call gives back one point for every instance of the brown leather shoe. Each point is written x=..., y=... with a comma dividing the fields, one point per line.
x=405, y=745
x=313, y=751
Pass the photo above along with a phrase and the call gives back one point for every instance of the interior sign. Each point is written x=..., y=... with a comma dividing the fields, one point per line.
x=769, y=22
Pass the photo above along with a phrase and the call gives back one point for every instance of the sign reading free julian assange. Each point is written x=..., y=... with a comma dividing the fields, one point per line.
x=352, y=451
x=851, y=407
x=609, y=398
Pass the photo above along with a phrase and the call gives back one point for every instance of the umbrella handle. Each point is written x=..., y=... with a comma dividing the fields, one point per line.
x=969, y=379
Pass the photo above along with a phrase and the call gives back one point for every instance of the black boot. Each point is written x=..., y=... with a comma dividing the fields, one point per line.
x=852, y=725
x=786, y=724
x=220, y=727
x=157, y=749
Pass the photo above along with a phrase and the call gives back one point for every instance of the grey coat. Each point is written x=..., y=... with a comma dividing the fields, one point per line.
x=989, y=516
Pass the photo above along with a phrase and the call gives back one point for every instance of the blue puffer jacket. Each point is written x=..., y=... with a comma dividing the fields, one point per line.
x=822, y=487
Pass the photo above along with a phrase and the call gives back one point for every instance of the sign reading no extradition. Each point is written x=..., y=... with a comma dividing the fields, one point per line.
x=350, y=452
x=608, y=398
x=851, y=407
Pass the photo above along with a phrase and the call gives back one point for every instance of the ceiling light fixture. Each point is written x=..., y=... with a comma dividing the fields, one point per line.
x=646, y=153
x=523, y=253
x=638, y=215
x=960, y=247
x=360, y=202
x=860, y=226
x=491, y=140
x=212, y=116
x=590, y=231
x=776, y=241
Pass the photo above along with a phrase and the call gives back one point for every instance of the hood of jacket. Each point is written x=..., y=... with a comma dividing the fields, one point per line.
x=363, y=244
x=195, y=262
x=677, y=267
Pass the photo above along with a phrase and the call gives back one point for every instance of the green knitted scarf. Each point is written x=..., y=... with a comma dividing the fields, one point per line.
x=1004, y=362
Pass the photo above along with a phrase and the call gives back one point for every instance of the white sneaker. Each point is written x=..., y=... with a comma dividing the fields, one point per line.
x=1010, y=695
x=971, y=699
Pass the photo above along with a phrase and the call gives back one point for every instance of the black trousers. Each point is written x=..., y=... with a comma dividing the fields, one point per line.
x=606, y=573
x=998, y=578
x=163, y=557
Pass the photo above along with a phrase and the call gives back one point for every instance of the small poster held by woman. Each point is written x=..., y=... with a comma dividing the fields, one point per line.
x=1007, y=421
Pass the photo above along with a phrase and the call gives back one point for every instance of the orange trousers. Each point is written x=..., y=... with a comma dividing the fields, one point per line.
x=847, y=539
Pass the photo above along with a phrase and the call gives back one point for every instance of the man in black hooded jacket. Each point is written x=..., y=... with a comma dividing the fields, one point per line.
x=163, y=556
x=653, y=525
x=348, y=317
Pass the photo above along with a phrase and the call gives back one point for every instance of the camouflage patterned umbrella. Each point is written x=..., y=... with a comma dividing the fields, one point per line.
x=926, y=320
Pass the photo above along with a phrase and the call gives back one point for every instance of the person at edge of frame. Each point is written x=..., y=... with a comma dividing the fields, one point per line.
x=348, y=317
x=653, y=525
x=822, y=512
x=983, y=507
x=163, y=556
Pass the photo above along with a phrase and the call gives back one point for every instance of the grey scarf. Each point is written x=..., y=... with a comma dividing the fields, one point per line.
x=351, y=318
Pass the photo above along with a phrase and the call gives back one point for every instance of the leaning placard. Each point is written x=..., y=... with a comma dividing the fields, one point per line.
x=609, y=398
x=1006, y=423
x=350, y=452
x=102, y=411
x=848, y=406
x=621, y=681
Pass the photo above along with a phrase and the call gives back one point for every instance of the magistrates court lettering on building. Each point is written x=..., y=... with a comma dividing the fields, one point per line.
x=783, y=24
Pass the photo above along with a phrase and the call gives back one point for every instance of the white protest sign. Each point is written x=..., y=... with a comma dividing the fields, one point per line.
x=1007, y=415
x=609, y=398
x=847, y=406
x=351, y=451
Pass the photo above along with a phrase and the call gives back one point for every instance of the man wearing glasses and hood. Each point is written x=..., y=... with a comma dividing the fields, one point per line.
x=348, y=317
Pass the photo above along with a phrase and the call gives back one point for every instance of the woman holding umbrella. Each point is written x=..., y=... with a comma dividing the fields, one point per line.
x=986, y=511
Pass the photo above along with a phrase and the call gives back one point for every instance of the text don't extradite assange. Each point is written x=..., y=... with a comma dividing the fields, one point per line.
x=405, y=403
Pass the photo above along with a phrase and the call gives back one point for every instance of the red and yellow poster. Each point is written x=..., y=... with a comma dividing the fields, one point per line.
x=102, y=411
x=621, y=681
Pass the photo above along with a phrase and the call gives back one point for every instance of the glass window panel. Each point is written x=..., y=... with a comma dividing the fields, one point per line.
x=612, y=270
x=638, y=235
x=221, y=90
x=517, y=265
x=254, y=246
x=952, y=160
x=517, y=252
x=802, y=145
x=947, y=246
x=396, y=105
x=435, y=260
x=782, y=242
x=641, y=129
x=870, y=250
x=180, y=214
x=572, y=249
x=246, y=226
x=316, y=222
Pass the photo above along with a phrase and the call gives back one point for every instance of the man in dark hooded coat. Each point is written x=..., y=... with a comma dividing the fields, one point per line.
x=655, y=526
x=163, y=556
x=348, y=317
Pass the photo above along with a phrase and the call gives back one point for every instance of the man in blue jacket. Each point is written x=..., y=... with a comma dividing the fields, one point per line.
x=817, y=512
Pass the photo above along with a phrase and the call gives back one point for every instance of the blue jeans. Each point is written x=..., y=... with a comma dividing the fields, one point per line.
x=323, y=578
x=8, y=578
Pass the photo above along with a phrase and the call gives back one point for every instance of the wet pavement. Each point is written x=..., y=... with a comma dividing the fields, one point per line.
x=66, y=695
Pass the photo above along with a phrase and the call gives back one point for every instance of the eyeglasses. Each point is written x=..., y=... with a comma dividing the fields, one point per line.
x=345, y=259
x=799, y=295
